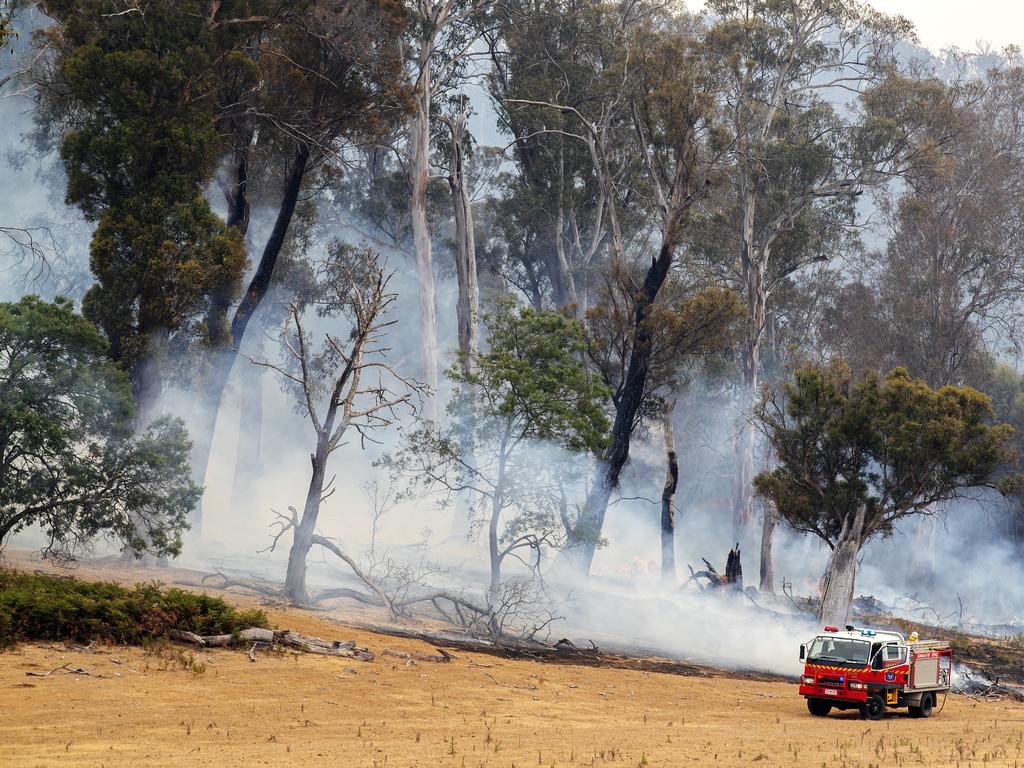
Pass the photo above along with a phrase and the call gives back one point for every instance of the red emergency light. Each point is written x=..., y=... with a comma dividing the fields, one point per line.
x=831, y=629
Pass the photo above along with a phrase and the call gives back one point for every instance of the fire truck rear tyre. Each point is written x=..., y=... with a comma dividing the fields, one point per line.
x=818, y=707
x=925, y=709
x=873, y=709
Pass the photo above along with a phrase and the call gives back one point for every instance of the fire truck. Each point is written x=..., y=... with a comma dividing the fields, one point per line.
x=871, y=670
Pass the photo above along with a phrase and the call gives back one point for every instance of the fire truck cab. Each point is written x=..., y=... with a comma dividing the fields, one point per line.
x=871, y=670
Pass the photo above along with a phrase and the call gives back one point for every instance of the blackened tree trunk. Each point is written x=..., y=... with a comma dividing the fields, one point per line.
x=668, y=494
x=586, y=535
x=734, y=568
x=222, y=357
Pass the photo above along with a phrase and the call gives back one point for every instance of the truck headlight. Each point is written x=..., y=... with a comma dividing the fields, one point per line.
x=856, y=685
x=807, y=679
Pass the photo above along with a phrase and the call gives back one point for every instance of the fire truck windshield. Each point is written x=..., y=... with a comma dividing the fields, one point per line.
x=840, y=650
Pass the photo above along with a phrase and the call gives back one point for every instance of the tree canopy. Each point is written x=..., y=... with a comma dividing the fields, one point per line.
x=69, y=460
x=889, y=444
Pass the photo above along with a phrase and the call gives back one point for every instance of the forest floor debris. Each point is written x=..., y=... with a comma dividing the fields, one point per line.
x=475, y=709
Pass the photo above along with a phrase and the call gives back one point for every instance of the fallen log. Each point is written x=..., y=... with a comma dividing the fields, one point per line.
x=305, y=643
x=442, y=656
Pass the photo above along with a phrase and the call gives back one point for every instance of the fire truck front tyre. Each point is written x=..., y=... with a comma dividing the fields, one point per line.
x=873, y=709
x=818, y=707
x=925, y=708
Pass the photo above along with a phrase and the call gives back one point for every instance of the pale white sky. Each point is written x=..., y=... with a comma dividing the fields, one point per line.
x=941, y=23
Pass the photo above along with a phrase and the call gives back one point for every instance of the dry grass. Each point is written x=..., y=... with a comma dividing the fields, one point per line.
x=147, y=707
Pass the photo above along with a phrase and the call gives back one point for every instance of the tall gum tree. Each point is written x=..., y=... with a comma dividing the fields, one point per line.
x=442, y=35
x=559, y=81
x=671, y=106
x=818, y=114
x=320, y=85
x=680, y=328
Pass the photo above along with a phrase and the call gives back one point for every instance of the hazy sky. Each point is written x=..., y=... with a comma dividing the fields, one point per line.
x=941, y=23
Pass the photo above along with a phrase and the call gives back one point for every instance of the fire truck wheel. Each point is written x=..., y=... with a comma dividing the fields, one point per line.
x=873, y=709
x=925, y=710
x=818, y=707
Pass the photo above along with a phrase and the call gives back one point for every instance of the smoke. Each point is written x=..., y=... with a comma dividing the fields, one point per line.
x=973, y=576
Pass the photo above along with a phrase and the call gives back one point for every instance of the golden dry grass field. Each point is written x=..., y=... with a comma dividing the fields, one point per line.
x=171, y=706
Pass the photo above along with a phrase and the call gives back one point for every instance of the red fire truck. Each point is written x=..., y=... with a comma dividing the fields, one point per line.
x=870, y=670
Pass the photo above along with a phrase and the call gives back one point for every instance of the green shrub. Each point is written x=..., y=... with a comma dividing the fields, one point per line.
x=47, y=607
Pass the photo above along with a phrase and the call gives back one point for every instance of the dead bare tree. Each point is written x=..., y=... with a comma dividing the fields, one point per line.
x=343, y=384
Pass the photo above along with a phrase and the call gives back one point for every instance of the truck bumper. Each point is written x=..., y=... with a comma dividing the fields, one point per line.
x=838, y=696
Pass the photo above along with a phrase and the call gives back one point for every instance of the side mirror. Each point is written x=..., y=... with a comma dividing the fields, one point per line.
x=803, y=651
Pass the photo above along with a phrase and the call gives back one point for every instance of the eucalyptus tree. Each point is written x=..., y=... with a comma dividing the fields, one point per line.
x=858, y=455
x=948, y=283
x=680, y=329
x=316, y=85
x=558, y=81
x=818, y=113
x=672, y=116
x=441, y=38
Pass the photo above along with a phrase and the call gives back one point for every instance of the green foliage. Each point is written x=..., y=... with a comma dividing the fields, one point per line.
x=532, y=382
x=69, y=461
x=137, y=118
x=891, y=444
x=46, y=607
x=567, y=54
x=685, y=328
x=526, y=408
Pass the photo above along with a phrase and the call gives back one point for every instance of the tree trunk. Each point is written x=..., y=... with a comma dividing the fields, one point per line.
x=222, y=358
x=743, y=498
x=148, y=376
x=492, y=544
x=302, y=540
x=668, y=493
x=835, y=603
x=467, y=308
x=419, y=157
x=566, y=282
x=767, y=536
x=249, y=453
x=582, y=544
x=585, y=537
x=734, y=569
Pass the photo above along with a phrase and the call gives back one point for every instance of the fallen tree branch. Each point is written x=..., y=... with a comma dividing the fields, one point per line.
x=304, y=643
x=442, y=656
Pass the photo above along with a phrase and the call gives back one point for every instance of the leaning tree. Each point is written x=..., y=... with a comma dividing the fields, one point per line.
x=856, y=456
